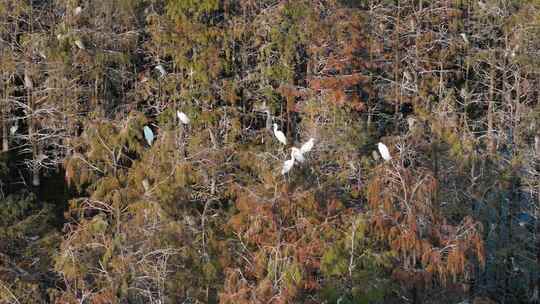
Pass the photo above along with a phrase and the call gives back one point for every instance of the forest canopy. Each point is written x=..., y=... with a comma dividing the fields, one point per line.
x=269, y=151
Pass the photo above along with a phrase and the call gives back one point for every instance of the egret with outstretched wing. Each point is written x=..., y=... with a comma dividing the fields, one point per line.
x=307, y=146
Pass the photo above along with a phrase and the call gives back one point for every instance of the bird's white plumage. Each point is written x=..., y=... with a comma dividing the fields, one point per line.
x=297, y=154
x=287, y=166
x=148, y=135
x=78, y=10
x=79, y=44
x=280, y=135
x=383, y=149
x=182, y=117
x=161, y=70
x=307, y=146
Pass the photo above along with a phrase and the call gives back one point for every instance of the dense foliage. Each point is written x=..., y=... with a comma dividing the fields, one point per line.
x=93, y=210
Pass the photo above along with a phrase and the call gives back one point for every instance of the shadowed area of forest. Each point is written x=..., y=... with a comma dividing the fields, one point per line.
x=269, y=151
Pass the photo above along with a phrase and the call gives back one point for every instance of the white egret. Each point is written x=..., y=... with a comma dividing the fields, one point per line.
x=182, y=117
x=307, y=146
x=79, y=44
x=383, y=149
x=279, y=135
x=297, y=154
x=78, y=10
x=149, y=135
x=287, y=166
x=161, y=70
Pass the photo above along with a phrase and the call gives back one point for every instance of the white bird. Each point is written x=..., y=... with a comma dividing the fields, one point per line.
x=78, y=10
x=182, y=117
x=307, y=146
x=79, y=44
x=279, y=135
x=161, y=70
x=383, y=149
x=14, y=128
x=297, y=154
x=287, y=166
x=149, y=135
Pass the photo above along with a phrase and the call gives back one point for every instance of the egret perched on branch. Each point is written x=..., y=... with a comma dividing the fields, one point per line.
x=287, y=166
x=161, y=70
x=279, y=135
x=308, y=145
x=148, y=135
x=297, y=154
x=182, y=117
x=383, y=149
